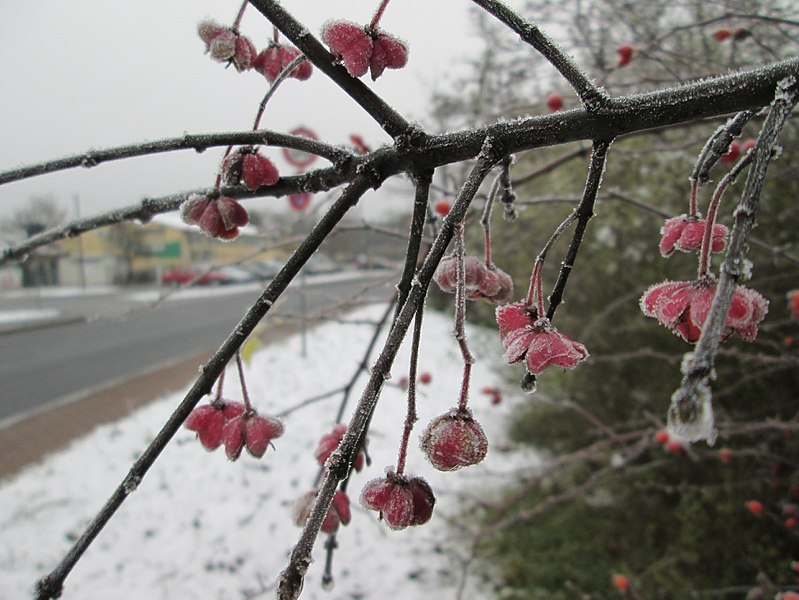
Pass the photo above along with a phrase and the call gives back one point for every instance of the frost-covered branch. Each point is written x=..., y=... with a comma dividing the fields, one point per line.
x=691, y=413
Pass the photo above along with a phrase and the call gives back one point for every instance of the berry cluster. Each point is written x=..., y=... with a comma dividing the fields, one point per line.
x=361, y=49
x=483, y=281
x=234, y=425
x=400, y=501
x=683, y=307
x=535, y=340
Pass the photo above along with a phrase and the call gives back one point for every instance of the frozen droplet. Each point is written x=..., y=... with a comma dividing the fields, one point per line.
x=691, y=414
x=529, y=384
x=328, y=583
x=131, y=483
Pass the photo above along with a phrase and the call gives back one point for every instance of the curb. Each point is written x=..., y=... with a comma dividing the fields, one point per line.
x=40, y=324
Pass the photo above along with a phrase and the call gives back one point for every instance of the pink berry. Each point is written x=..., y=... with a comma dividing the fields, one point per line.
x=338, y=513
x=400, y=501
x=209, y=420
x=330, y=441
x=216, y=217
x=226, y=45
x=388, y=52
x=725, y=455
x=684, y=233
x=425, y=378
x=662, y=436
x=454, y=440
x=246, y=166
x=250, y=431
x=554, y=101
x=625, y=52
x=271, y=62
x=732, y=154
x=351, y=43
x=360, y=144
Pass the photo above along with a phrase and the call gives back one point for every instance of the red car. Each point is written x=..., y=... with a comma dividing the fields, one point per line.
x=198, y=274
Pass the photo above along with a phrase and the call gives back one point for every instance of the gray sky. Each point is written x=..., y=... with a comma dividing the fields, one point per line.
x=96, y=73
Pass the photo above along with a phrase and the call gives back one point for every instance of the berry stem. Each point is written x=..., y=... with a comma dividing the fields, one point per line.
x=239, y=16
x=219, y=384
x=378, y=15
x=273, y=88
x=692, y=208
x=485, y=220
x=411, y=417
x=712, y=212
x=244, y=394
x=460, y=316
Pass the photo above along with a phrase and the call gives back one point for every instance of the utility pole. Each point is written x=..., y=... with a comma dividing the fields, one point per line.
x=81, y=269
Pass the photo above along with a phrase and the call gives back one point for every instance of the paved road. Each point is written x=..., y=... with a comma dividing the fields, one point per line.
x=125, y=336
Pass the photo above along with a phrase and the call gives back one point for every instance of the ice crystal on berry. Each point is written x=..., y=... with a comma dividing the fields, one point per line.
x=454, y=440
x=685, y=233
x=401, y=501
x=218, y=217
x=536, y=341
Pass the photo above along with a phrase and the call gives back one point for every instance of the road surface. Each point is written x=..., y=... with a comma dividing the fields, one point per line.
x=124, y=336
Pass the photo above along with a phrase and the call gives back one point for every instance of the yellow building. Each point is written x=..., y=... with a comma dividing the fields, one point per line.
x=132, y=253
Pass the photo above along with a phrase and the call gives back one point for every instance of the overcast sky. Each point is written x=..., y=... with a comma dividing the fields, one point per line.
x=96, y=73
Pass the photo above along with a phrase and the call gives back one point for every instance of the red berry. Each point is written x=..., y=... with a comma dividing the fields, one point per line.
x=740, y=33
x=791, y=522
x=442, y=207
x=246, y=166
x=621, y=582
x=790, y=510
x=755, y=507
x=361, y=49
x=793, y=303
x=662, y=436
x=271, y=62
x=209, y=420
x=675, y=447
x=749, y=144
x=338, y=513
x=554, y=101
x=732, y=153
x=721, y=34
x=625, y=54
x=250, y=431
x=454, y=440
x=388, y=52
x=400, y=501
x=216, y=217
x=496, y=398
x=330, y=442
x=226, y=45
x=360, y=144
x=425, y=377
x=725, y=455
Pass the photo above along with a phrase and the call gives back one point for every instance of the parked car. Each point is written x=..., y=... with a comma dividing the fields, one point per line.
x=265, y=270
x=196, y=274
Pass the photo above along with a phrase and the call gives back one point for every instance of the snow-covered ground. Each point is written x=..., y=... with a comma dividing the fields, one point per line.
x=200, y=526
